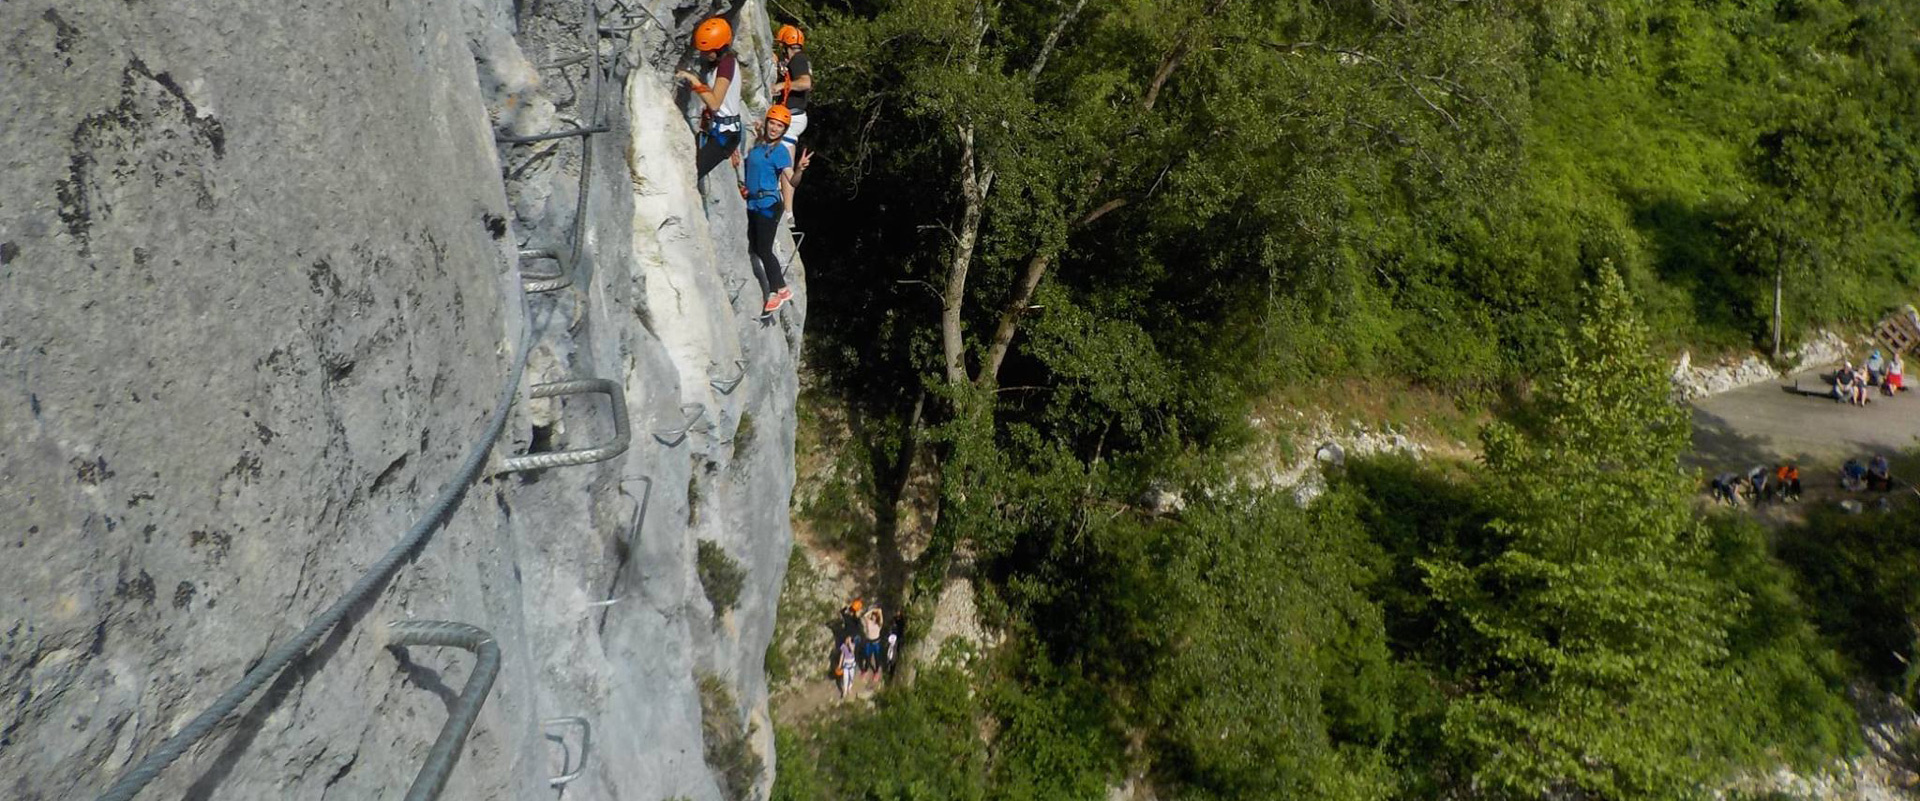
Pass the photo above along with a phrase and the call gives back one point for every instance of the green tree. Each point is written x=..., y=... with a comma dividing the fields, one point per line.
x=1601, y=624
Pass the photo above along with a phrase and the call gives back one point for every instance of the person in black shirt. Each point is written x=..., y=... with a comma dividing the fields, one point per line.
x=795, y=83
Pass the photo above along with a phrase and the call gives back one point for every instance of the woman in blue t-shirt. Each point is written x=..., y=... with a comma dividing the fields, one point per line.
x=769, y=180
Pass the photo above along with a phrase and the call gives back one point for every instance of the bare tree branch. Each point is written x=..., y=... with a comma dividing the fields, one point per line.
x=1053, y=38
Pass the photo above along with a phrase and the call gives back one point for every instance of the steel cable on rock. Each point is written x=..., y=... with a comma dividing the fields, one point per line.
x=139, y=776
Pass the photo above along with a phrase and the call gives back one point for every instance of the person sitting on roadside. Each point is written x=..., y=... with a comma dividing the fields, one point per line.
x=1787, y=476
x=1758, y=491
x=1843, y=383
x=1896, y=375
x=1876, y=367
x=1880, y=475
x=1853, y=476
x=1860, y=384
x=1724, y=489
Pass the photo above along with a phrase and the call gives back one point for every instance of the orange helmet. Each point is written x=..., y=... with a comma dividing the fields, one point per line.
x=789, y=35
x=856, y=605
x=713, y=34
x=785, y=117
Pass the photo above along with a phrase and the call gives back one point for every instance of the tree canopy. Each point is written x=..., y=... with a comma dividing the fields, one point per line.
x=1087, y=236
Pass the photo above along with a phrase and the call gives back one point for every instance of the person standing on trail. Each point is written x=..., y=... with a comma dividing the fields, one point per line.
x=796, y=83
x=719, y=93
x=770, y=178
x=847, y=666
x=870, y=646
x=895, y=633
x=849, y=622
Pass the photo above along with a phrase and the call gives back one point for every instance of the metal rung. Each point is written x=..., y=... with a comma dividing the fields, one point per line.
x=599, y=453
x=586, y=745
x=523, y=140
x=464, y=709
x=726, y=386
x=798, y=237
x=544, y=283
x=631, y=541
x=678, y=435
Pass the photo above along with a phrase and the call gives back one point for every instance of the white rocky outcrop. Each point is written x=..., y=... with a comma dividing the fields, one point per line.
x=1691, y=381
x=259, y=262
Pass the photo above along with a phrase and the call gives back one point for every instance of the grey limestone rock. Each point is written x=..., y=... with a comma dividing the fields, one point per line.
x=257, y=295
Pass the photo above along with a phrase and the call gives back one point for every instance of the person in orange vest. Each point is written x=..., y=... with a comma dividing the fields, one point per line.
x=1789, y=479
x=795, y=82
x=768, y=183
x=719, y=92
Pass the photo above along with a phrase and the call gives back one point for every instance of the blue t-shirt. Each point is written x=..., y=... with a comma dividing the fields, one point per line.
x=765, y=160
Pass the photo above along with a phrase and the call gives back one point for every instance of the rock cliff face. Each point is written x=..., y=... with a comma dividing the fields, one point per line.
x=259, y=288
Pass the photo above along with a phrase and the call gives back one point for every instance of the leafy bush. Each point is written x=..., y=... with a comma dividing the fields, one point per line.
x=920, y=742
x=720, y=576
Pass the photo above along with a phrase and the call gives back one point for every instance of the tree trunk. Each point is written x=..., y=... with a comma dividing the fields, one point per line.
x=1023, y=298
x=1779, y=272
x=973, y=192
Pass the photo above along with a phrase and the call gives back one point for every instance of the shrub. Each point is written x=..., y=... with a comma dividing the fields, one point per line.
x=720, y=576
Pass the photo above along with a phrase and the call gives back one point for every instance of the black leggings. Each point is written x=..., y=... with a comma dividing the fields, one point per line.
x=715, y=147
x=760, y=231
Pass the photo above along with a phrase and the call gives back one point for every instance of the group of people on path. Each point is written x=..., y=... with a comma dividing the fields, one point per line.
x=1852, y=384
x=1875, y=476
x=866, y=644
x=774, y=163
x=1759, y=485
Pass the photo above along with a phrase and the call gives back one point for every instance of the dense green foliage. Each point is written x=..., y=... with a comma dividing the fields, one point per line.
x=1864, y=572
x=1559, y=621
x=1086, y=236
x=1409, y=188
